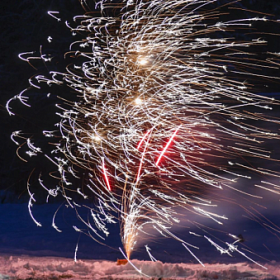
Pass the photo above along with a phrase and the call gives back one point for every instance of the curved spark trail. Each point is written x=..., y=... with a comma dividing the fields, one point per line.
x=163, y=117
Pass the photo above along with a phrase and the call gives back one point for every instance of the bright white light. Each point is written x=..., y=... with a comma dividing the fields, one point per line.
x=96, y=138
x=143, y=61
x=138, y=101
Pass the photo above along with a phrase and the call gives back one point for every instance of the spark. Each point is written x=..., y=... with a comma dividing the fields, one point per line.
x=105, y=175
x=143, y=138
x=76, y=251
x=142, y=160
x=232, y=248
x=193, y=254
x=166, y=146
x=52, y=14
x=148, y=249
x=53, y=221
x=30, y=204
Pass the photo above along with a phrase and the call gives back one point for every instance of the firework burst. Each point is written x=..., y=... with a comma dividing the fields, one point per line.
x=162, y=116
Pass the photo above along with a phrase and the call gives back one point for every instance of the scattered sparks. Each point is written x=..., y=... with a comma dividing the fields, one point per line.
x=154, y=69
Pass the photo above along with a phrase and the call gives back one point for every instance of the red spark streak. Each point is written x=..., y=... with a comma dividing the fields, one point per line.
x=106, y=176
x=167, y=145
x=140, y=143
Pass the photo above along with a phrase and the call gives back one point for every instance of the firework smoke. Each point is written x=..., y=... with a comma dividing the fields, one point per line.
x=163, y=115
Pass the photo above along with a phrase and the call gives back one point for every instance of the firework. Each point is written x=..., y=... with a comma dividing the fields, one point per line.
x=162, y=115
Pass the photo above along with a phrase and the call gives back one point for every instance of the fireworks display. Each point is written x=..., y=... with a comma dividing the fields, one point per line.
x=163, y=119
